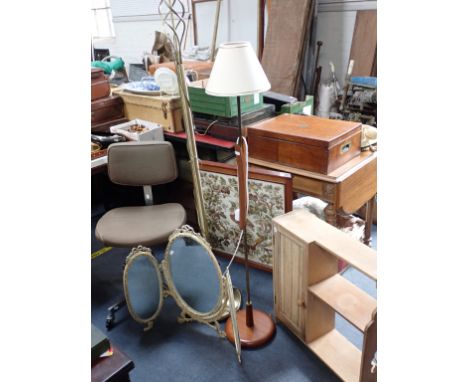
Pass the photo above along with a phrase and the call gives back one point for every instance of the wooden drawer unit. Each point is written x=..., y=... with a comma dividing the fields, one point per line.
x=308, y=291
x=305, y=142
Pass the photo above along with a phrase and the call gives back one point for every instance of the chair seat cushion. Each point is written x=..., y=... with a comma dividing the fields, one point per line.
x=145, y=225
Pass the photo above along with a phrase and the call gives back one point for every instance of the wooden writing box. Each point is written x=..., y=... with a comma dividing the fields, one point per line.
x=306, y=142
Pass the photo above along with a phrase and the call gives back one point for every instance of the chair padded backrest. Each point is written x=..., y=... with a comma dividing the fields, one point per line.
x=141, y=163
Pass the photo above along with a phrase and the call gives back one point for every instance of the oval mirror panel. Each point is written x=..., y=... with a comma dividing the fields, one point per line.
x=143, y=286
x=195, y=274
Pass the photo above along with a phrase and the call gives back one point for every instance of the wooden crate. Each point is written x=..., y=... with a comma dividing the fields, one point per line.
x=164, y=110
x=308, y=291
x=201, y=102
x=299, y=107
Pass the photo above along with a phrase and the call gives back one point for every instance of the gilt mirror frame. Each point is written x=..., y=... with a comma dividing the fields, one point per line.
x=188, y=313
x=131, y=258
x=226, y=303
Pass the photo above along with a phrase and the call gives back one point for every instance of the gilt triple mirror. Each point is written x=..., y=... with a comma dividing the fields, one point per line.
x=189, y=273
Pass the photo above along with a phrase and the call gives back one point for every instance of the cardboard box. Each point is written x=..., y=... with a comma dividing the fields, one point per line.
x=154, y=131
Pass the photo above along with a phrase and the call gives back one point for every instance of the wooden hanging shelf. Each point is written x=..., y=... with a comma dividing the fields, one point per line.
x=346, y=299
x=309, y=292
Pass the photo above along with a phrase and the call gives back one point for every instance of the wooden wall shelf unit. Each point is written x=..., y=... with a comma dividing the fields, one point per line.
x=308, y=291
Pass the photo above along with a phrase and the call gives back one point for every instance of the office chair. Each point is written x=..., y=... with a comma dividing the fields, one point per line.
x=139, y=164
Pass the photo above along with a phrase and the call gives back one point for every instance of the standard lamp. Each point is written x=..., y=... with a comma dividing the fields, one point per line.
x=237, y=72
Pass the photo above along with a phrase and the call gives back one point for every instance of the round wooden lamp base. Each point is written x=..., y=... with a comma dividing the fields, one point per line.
x=251, y=337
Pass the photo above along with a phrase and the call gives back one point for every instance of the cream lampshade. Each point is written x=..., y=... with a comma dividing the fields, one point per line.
x=237, y=71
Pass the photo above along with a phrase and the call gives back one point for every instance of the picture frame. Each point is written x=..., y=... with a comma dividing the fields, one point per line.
x=270, y=195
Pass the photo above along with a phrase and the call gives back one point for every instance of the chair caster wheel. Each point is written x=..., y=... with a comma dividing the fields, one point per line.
x=109, y=323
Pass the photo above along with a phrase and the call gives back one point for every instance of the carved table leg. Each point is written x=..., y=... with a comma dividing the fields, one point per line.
x=330, y=214
x=330, y=218
x=369, y=220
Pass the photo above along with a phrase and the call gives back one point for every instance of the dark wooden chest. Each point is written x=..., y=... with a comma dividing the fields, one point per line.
x=305, y=142
x=106, y=109
x=100, y=86
x=228, y=128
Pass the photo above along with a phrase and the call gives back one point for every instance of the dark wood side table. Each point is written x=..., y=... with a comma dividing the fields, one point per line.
x=115, y=368
x=346, y=189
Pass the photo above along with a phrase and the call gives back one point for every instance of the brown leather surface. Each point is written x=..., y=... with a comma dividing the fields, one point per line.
x=141, y=163
x=143, y=225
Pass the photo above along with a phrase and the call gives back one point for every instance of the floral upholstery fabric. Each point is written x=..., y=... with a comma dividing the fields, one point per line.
x=266, y=200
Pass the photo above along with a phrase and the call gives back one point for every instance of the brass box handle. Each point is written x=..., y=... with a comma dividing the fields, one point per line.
x=345, y=147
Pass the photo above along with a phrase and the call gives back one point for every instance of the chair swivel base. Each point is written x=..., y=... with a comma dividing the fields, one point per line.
x=111, y=313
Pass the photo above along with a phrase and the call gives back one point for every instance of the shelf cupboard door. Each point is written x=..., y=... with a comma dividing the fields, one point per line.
x=288, y=273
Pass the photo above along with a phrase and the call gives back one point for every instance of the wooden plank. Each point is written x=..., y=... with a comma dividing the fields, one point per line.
x=320, y=265
x=308, y=186
x=339, y=354
x=350, y=250
x=301, y=85
x=254, y=172
x=260, y=28
x=289, y=280
x=310, y=229
x=346, y=299
x=282, y=55
x=364, y=45
x=353, y=165
x=369, y=349
x=320, y=319
x=361, y=186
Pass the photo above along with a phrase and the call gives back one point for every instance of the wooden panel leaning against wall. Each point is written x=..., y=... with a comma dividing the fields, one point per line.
x=364, y=45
